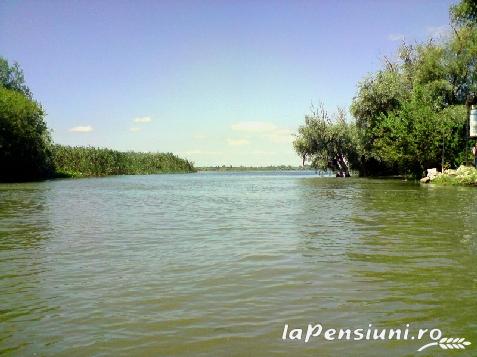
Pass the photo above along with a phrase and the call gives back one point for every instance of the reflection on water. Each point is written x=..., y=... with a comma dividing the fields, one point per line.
x=216, y=264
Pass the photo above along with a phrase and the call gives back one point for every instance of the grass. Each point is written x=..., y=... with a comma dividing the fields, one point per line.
x=463, y=176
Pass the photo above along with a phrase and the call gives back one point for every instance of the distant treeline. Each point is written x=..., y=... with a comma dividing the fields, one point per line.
x=90, y=161
x=27, y=152
x=253, y=168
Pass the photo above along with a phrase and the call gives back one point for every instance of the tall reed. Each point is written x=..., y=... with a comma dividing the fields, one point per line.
x=80, y=161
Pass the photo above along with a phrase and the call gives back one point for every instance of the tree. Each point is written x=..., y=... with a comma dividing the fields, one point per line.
x=378, y=95
x=24, y=137
x=11, y=77
x=464, y=13
x=328, y=142
x=417, y=136
x=410, y=114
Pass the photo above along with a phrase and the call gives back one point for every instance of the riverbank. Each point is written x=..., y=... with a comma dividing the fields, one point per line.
x=81, y=161
x=464, y=175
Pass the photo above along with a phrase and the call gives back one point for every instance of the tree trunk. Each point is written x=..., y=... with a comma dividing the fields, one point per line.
x=343, y=166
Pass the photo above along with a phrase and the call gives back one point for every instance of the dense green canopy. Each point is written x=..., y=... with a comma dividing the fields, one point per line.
x=24, y=136
x=411, y=114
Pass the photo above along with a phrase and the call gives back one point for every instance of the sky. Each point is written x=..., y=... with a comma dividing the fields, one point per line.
x=216, y=82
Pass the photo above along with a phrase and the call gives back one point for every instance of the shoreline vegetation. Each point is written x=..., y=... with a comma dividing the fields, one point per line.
x=409, y=116
x=231, y=168
x=27, y=152
x=463, y=176
x=82, y=161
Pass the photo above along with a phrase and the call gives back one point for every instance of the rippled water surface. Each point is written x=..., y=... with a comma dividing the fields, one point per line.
x=214, y=264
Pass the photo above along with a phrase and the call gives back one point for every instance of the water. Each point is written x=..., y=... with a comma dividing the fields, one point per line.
x=215, y=264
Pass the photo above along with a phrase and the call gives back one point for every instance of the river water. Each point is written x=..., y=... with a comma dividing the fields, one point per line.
x=216, y=264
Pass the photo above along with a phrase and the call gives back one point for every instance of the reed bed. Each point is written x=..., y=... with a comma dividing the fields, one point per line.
x=80, y=161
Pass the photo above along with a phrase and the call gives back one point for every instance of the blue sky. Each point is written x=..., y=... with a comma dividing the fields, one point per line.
x=218, y=82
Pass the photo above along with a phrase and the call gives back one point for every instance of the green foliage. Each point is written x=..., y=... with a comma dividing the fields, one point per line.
x=464, y=13
x=24, y=138
x=231, y=168
x=462, y=62
x=11, y=77
x=329, y=143
x=378, y=95
x=26, y=151
x=90, y=161
x=411, y=114
x=416, y=136
x=464, y=175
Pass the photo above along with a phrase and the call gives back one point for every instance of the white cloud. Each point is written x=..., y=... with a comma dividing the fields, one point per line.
x=237, y=142
x=263, y=129
x=263, y=152
x=200, y=152
x=280, y=136
x=193, y=152
x=142, y=120
x=134, y=129
x=396, y=37
x=253, y=126
x=199, y=136
x=438, y=32
x=82, y=129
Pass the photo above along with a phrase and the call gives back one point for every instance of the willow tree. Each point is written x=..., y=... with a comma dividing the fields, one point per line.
x=328, y=142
